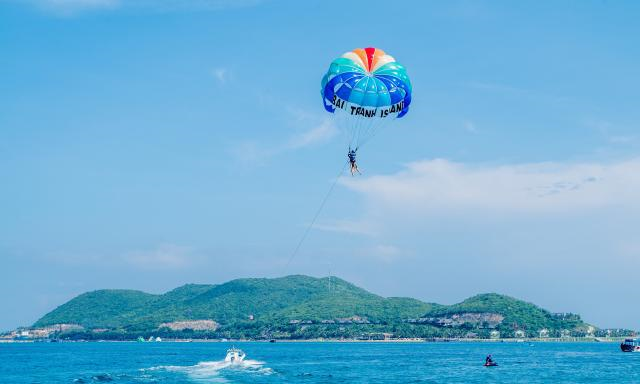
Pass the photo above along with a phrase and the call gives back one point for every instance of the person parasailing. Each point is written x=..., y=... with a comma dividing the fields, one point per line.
x=365, y=89
x=352, y=160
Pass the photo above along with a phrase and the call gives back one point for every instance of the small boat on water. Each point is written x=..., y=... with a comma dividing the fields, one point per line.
x=630, y=345
x=234, y=355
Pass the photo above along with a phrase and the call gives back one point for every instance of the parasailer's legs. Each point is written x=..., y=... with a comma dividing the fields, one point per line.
x=352, y=160
x=354, y=169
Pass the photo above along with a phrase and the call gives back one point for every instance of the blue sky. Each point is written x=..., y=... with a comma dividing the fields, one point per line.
x=148, y=144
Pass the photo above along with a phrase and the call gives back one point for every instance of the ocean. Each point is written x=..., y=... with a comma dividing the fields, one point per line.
x=328, y=362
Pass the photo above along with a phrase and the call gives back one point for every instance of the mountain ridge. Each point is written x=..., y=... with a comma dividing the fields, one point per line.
x=299, y=306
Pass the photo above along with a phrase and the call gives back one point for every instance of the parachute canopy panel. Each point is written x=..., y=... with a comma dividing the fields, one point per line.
x=367, y=83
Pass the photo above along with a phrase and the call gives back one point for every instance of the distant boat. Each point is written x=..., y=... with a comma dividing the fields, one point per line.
x=234, y=355
x=630, y=345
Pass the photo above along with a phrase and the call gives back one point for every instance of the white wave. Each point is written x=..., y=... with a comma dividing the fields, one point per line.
x=210, y=371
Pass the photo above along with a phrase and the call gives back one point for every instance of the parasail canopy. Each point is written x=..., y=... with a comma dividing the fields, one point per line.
x=364, y=88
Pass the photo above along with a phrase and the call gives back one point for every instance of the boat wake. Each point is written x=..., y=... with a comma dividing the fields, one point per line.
x=217, y=371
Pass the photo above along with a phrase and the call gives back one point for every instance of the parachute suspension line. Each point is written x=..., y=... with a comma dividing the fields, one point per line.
x=372, y=130
x=362, y=124
x=315, y=217
x=352, y=130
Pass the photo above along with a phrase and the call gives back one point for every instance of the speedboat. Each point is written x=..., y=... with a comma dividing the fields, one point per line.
x=630, y=345
x=234, y=355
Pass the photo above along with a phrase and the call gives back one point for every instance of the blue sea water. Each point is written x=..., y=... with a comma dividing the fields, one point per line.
x=317, y=363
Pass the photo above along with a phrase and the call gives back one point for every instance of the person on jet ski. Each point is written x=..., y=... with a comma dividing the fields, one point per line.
x=488, y=360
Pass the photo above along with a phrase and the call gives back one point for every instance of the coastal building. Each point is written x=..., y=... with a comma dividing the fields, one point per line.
x=297, y=321
x=519, y=333
x=353, y=320
x=544, y=333
x=494, y=334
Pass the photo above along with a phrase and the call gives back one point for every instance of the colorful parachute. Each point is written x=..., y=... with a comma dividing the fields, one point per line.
x=364, y=89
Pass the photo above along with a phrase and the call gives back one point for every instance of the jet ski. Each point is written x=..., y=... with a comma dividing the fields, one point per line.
x=488, y=362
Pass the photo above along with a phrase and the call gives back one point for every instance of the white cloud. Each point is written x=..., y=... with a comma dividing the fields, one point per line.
x=204, y=5
x=252, y=152
x=347, y=226
x=222, y=75
x=552, y=232
x=317, y=135
x=384, y=252
x=515, y=91
x=163, y=256
x=441, y=185
x=621, y=139
x=70, y=7
x=470, y=126
x=167, y=256
x=612, y=133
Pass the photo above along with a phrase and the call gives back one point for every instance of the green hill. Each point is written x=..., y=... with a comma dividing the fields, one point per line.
x=281, y=299
x=485, y=310
x=295, y=307
x=108, y=308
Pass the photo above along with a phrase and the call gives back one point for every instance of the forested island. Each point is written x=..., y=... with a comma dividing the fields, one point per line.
x=298, y=308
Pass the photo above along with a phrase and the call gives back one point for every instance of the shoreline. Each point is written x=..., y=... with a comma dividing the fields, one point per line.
x=392, y=341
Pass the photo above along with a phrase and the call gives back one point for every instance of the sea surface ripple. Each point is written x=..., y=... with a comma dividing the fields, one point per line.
x=329, y=362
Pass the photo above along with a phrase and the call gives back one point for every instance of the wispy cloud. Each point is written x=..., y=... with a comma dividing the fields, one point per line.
x=161, y=257
x=435, y=185
x=222, y=75
x=166, y=256
x=317, y=135
x=497, y=87
x=383, y=252
x=347, y=226
x=515, y=91
x=470, y=126
x=611, y=132
x=252, y=152
x=73, y=7
x=549, y=225
x=205, y=5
